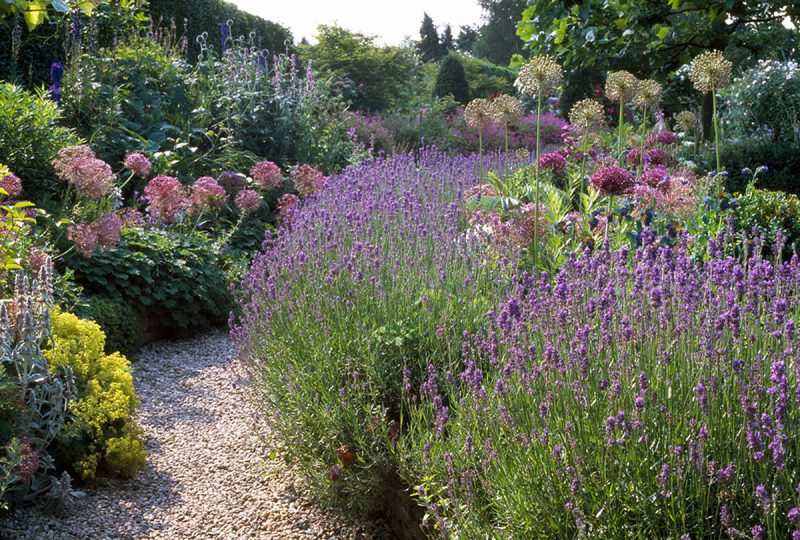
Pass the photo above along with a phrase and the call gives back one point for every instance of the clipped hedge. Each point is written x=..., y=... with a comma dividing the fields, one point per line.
x=117, y=320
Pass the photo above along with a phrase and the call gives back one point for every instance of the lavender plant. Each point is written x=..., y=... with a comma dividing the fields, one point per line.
x=633, y=395
x=364, y=287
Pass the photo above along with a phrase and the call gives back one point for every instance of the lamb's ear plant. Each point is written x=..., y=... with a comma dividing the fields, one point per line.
x=539, y=77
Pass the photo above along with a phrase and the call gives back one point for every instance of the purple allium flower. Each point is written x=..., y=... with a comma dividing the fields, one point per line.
x=553, y=161
x=90, y=176
x=267, y=175
x=248, y=200
x=613, y=181
x=307, y=179
x=138, y=164
x=11, y=184
x=205, y=194
x=166, y=198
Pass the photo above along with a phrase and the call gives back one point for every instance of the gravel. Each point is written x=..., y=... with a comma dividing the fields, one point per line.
x=208, y=474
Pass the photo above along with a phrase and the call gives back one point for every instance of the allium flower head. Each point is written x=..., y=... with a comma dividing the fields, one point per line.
x=477, y=113
x=553, y=161
x=523, y=224
x=613, y=181
x=131, y=218
x=248, y=200
x=686, y=121
x=505, y=109
x=166, y=198
x=586, y=115
x=288, y=203
x=540, y=76
x=11, y=184
x=656, y=178
x=307, y=179
x=232, y=181
x=621, y=86
x=138, y=164
x=267, y=175
x=84, y=237
x=665, y=138
x=648, y=94
x=107, y=230
x=206, y=193
x=710, y=71
x=90, y=176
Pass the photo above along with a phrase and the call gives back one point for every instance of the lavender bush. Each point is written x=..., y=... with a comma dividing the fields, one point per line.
x=364, y=287
x=634, y=395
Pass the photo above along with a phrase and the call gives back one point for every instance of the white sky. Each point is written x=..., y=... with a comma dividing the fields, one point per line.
x=391, y=21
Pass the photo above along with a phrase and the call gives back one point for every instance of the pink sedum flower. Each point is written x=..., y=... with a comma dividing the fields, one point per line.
x=248, y=200
x=206, y=193
x=138, y=164
x=307, y=179
x=266, y=175
x=12, y=185
x=166, y=198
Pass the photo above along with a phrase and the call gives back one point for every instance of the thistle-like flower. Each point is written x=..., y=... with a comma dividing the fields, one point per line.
x=648, y=94
x=539, y=76
x=477, y=113
x=505, y=109
x=621, y=86
x=686, y=121
x=710, y=71
x=586, y=115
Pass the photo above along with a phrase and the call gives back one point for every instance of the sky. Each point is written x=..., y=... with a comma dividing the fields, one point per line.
x=391, y=21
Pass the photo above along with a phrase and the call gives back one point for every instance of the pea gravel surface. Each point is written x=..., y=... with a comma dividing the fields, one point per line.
x=208, y=474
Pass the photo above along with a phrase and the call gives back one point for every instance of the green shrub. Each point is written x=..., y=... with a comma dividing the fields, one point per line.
x=781, y=158
x=452, y=80
x=769, y=211
x=173, y=279
x=103, y=436
x=31, y=134
x=764, y=103
x=130, y=97
x=117, y=320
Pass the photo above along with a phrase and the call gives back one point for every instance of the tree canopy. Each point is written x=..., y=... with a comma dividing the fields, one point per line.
x=35, y=12
x=429, y=46
x=452, y=80
x=642, y=35
x=497, y=40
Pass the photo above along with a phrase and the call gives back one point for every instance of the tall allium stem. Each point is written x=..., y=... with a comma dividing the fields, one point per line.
x=536, y=181
x=619, y=129
x=480, y=153
x=716, y=133
x=644, y=136
x=505, y=126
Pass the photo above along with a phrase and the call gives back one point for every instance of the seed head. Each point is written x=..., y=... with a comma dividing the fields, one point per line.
x=621, y=85
x=710, y=71
x=540, y=76
x=586, y=115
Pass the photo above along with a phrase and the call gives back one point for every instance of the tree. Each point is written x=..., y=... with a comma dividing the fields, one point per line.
x=648, y=38
x=447, y=40
x=35, y=12
x=497, y=40
x=452, y=80
x=374, y=78
x=429, y=47
x=467, y=36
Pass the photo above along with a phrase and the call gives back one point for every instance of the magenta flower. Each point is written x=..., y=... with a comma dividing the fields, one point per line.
x=307, y=179
x=84, y=236
x=267, y=175
x=613, y=181
x=666, y=138
x=553, y=161
x=206, y=193
x=107, y=230
x=11, y=184
x=166, y=198
x=138, y=164
x=248, y=200
x=656, y=179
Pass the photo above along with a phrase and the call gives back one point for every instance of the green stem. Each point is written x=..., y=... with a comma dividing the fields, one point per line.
x=619, y=129
x=480, y=153
x=644, y=132
x=536, y=181
x=716, y=134
x=505, y=125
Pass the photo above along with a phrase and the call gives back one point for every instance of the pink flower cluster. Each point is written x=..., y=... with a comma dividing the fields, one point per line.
x=266, y=175
x=665, y=138
x=248, y=200
x=206, y=193
x=679, y=197
x=11, y=184
x=656, y=178
x=90, y=176
x=166, y=198
x=307, y=179
x=553, y=161
x=138, y=164
x=131, y=218
x=232, y=181
x=288, y=203
x=654, y=157
x=613, y=181
x=479, y=190
x=524, y=226
x=29, y=464
x=103, y=233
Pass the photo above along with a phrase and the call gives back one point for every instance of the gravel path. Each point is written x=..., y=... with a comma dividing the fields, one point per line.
x=208, y=475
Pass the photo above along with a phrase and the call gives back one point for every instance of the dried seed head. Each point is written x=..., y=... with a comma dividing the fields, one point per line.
x=686, y=121
x=621, y=85
x=505, y=109
x=586, y=115
x=648, y=94
x=477, y=113
x=710, y=71
x=540, y=76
